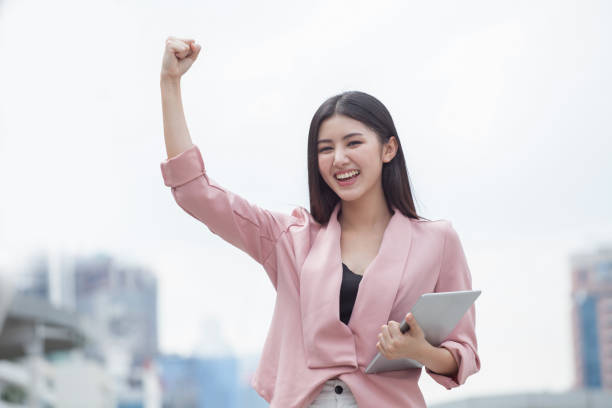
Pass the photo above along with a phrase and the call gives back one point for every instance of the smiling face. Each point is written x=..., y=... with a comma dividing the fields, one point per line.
x=346, y=146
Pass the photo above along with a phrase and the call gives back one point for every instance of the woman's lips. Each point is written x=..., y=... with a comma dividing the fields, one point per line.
x=349, y=181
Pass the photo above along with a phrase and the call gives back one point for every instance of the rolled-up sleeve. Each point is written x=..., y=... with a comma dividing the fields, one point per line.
x=455, y=276
x=245, y=225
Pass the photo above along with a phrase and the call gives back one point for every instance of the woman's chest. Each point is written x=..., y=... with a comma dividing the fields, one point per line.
x=359, y=250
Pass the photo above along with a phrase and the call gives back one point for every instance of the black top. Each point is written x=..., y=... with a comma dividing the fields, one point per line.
x=348, y=292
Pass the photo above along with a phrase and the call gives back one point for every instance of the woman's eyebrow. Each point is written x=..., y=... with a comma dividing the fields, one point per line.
x=344, y=137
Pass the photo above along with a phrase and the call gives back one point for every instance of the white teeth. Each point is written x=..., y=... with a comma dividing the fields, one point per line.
x=346, y=175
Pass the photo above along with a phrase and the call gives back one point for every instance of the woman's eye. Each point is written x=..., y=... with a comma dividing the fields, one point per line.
x=326, y=148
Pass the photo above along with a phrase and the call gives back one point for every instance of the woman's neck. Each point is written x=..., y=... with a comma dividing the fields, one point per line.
x=366, y=214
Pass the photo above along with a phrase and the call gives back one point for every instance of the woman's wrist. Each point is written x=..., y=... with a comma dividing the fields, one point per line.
x=437, y=359
x=167, y=80
x=424, y=353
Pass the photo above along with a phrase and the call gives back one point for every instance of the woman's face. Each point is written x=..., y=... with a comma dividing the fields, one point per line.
x=345, y=144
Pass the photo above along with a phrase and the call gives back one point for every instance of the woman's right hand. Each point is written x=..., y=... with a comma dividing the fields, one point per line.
x=178, y=57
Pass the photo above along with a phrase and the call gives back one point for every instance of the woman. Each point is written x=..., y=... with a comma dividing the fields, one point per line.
x=346, y=272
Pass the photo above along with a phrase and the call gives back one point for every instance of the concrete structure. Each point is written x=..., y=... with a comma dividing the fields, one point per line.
x=80, y=381
x=592, y=318
x=6, y=297
x=33, y=327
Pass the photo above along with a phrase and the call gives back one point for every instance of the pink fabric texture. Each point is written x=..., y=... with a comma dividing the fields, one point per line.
x=307, y=343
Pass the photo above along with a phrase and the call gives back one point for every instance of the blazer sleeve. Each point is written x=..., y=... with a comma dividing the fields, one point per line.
x=462, y=344
x=250, y=228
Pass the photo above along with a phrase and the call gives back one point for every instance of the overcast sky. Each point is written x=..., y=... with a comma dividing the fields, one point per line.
x=502, y=109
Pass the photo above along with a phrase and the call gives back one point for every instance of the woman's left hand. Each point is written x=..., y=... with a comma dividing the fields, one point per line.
x=392, y=343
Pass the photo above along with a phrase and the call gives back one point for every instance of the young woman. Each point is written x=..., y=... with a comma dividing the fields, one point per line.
x=345, y=272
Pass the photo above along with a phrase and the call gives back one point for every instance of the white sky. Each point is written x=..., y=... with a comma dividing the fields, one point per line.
x=502, y=108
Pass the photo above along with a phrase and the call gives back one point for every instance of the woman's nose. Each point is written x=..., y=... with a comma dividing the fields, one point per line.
x=340, y=156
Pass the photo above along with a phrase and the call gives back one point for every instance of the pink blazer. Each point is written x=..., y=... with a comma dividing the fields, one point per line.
x=307, y=343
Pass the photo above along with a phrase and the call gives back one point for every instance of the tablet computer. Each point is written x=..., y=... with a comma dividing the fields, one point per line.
x=438, y=314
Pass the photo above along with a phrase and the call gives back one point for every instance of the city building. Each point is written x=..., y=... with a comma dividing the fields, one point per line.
x=200, y=382
x=122, y=301
x=118, y=302
x=33, y=328
x=115, y=304
x=81, y=381
x=591, y=275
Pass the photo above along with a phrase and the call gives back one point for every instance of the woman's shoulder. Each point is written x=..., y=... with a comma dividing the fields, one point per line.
x=299, y=218
x=439, y=226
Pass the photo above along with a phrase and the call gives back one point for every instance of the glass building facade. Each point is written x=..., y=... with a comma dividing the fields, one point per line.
x=592, y=318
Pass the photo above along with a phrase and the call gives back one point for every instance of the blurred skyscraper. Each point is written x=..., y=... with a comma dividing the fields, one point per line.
x=122, y=299
x=592, y=318
x=34, y=279
x=119, y=300
x=200, y=382
x=48, y=275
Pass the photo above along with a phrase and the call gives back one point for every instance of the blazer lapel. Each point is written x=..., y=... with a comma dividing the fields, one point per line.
x=328, y=341
x=381, y=280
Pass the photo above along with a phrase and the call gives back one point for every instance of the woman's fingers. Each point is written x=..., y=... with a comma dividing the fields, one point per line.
x=395, y=329
x=381, y=343
x=196, y=50
x=386, y=335
x=179, y=55
x=177, y=45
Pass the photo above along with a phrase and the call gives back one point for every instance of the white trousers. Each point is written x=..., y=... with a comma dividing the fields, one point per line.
x=335, y=394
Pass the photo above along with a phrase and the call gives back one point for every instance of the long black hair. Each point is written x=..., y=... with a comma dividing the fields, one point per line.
x=372, y=113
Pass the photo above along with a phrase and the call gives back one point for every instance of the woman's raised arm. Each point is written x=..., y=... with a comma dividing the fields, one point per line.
x=245, y=225
x=179, y=55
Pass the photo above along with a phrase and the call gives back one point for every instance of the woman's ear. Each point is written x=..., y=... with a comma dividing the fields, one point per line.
x=389, y=149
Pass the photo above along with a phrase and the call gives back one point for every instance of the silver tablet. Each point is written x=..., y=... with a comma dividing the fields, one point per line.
x=438, y=314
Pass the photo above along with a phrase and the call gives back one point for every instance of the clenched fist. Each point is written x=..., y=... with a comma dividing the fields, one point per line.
x=179, y=54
